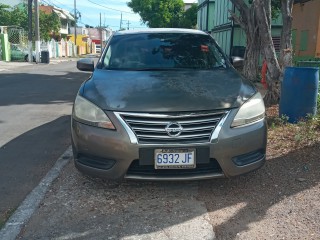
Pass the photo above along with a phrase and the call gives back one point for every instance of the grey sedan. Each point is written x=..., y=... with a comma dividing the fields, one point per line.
x=166, y=104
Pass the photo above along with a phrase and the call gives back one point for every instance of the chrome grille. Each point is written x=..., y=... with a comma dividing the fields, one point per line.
x=151, y=128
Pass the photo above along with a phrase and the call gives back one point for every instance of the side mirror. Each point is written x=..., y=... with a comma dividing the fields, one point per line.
x=237, y=62
x=85, y=64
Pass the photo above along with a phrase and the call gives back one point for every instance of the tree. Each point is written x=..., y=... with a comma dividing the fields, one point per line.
x=248, y=22
x=4, y=14
x=189, y=17
x=255, y=18
x=49, y=25
x=263, y=10
x=164, y=13
x=286, y=34
x=13, y=16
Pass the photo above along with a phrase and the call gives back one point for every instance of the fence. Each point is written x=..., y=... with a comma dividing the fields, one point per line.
x=59, y=49
x=65, y=48
x=18, y=39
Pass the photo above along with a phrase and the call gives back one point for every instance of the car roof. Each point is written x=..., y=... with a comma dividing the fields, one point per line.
x=161, y=30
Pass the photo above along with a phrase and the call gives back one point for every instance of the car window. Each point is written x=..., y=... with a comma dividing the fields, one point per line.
x=162, y=51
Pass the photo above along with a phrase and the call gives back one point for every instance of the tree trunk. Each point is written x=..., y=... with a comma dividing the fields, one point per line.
x=263, y=12
x=247, y=21
x=251, y=57
x=286, y=34
x=252, y=54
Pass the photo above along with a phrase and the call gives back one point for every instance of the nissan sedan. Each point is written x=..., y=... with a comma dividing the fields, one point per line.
x=166, y=104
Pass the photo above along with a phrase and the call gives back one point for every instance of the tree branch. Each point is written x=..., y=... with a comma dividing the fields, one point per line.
x=237, y=19
x=241, y=6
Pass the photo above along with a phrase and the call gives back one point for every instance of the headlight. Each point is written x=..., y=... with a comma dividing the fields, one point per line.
x=88, y=113
x=251, y=111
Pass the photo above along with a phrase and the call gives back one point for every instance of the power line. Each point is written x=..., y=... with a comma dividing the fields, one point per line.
x=109, y=7
x=69, y=8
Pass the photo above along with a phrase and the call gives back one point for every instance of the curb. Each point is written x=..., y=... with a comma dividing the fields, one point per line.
x=24, y=212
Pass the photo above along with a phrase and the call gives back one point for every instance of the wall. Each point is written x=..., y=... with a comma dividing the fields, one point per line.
x=4, y=47
x=222, y=29
x=306, y=27
x=205, y=15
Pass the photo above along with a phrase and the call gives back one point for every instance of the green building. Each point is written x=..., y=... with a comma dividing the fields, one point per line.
x=214, y=17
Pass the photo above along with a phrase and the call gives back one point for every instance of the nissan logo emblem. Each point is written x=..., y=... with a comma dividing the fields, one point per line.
x=174, y=129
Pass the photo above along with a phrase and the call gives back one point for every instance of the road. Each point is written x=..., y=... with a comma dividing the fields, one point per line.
x=35, y=107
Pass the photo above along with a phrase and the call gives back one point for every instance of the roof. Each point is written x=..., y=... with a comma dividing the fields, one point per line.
x=161, y=30
x=63, y=14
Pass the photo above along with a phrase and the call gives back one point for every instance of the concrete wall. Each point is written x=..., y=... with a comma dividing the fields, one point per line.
x=5, y=47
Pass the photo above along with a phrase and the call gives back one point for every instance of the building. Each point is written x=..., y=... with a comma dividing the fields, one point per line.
x=214, y=17
x=205, y=15
x=94, y=34
x=66, y=19
x=306, y=29
x=188, y=4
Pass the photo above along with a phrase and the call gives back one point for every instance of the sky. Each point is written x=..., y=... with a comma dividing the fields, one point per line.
x=90, y=12
x=110, y=12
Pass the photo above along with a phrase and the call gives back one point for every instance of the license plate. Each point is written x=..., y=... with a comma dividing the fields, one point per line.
x=174, y=158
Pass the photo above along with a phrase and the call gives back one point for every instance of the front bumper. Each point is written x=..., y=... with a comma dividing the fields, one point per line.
x=110, y=154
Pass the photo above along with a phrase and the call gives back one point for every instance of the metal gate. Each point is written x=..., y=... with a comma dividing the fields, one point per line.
x=18, y=39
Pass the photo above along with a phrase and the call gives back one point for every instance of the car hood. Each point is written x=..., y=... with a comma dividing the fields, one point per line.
x=167, y=91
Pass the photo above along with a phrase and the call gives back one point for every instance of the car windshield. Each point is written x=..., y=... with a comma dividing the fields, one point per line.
x=156, y=51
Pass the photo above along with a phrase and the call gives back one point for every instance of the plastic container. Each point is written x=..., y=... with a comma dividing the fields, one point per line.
x=45, y=57
x=299, y=92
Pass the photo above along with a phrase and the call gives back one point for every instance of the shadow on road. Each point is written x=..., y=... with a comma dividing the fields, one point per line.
x=27, y=158
x=30, y=88
x=27, y=155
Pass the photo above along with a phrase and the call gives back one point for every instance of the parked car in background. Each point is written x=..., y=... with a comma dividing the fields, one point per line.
x=166, y=104
x=19, y=53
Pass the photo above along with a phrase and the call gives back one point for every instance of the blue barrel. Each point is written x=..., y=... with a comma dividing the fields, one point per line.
x=299, y=92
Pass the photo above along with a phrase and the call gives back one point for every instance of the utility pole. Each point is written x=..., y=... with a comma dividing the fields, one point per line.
x=30, y=57
x=128, y=24
x=75, y=22
x=121, y=22
x=37, y=31
x=101, y=47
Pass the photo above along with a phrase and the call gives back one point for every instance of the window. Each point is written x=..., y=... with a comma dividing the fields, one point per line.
x=276, y=43
x=294, y=38
x=304, y=40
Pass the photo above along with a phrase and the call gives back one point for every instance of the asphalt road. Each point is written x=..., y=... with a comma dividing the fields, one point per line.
x=35, y=108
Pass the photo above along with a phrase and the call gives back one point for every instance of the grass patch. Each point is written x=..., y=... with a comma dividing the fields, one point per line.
x=284, y=137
